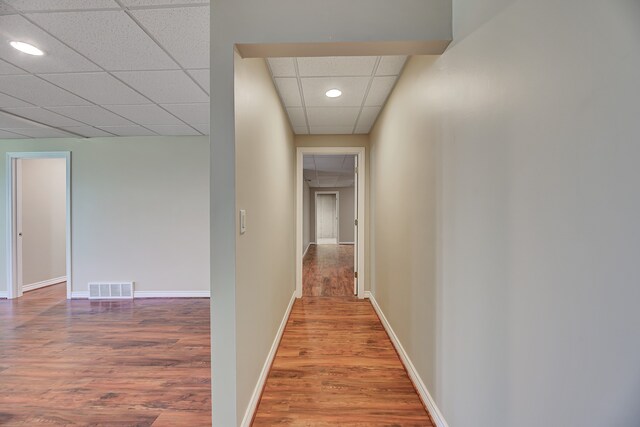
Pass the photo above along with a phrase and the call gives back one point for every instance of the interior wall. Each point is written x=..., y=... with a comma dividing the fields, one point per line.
x=306, y=216
x=140, y=210
x=531, y=117
x=44, y=198
x=265, y=254
x=346, y=214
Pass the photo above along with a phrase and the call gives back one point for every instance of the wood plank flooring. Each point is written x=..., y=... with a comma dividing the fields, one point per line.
x=110, y=363
x=336, y=366
x=327, y=270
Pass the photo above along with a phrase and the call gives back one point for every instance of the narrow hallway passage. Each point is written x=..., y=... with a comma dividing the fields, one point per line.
x=336, y=366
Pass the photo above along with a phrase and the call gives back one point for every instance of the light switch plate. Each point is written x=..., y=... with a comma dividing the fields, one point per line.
x=243, y=221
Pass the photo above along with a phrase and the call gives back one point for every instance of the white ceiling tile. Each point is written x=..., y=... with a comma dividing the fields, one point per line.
x=282, y=67
x=149, y=114
x=203, y=128
x=353, y=91
x=190, y=113
x=57, y=58
x=390, y=65
x=100, y=88
x=10, y=135
x=337, y=117
x=36, y=91
x=331, y=130
x=367, y=118
x=289, y=91
x=173, y=130
x=7, y=101
x=296, y=115
x=164, y=87
x=379, y=91
x=133, y=130
x=134, y=3
x=46, y=5
x=183, y=32
x=331, y=163
x=128, y=46
x=43, y=133
x=87, y=131
x=9, y=121
x=301, y=130
x=46, y=117
x=6, y=68
x=337, y=66
x=92, y=115
x=5, y=9
x=202, y=77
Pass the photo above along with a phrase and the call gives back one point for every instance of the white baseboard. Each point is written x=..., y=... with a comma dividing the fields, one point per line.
x=347, y=243
x=435, y=413
x=4, y=294
x=38, y=285
x=153, y=294
x=262, y=379
x=307, y=248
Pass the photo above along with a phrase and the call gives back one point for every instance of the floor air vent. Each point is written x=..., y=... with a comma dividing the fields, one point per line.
x=111, y=290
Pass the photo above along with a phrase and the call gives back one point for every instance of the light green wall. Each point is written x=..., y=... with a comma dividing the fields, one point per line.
x=140, y=210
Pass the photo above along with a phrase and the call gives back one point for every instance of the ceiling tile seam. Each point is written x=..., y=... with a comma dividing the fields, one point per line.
x=109, y=73
x=148, y=33
x=165, y=6
x=39, y=123
x=366, y=93
x=18, y=99
x=284, y=106
x=304, y=104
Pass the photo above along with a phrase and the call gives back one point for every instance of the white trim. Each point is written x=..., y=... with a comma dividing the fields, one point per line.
x=347, y=243
x=153, y=294
x=44, y=283
x=4, y=294
x=327, y=241
x=11, y=159
x=435, y=413
x=307, y=248
x=262, y=379
x=360, y=152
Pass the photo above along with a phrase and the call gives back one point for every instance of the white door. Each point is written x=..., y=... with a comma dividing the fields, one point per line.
x=355, y=234
x=326, y=219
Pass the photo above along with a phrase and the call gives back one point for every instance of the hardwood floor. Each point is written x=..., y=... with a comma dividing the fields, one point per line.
x=117, y=363
x=327, y=270
x=337, y=366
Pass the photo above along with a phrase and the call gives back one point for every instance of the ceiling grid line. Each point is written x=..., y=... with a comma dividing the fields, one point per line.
x=366, y=93
x=296, y=66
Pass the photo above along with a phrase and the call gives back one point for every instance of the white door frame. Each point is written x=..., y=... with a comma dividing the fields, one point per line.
x=11, y=226
x=360, y=153
x=335, y=220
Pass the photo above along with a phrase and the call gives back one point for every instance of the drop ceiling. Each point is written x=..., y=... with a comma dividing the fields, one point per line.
x=365, y=82
x=111, y=67
x=329, y=171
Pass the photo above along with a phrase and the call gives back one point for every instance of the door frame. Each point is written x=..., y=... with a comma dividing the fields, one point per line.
x=11, y=217
x=336, y=220
x=361, y=242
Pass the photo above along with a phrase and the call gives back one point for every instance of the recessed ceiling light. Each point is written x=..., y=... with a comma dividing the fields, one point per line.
x=333, y=93
x=27, y=48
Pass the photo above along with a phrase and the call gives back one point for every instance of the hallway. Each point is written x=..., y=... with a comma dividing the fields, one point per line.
x=144, y=362
x=327, y=271
x=336, y=366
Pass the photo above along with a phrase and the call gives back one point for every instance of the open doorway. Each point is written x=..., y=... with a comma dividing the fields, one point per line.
x=38, y=222
x=330, y=204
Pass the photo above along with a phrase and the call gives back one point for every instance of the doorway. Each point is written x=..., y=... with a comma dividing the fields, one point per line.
x=327, y=217
x=38, y=221
x=334, y=195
